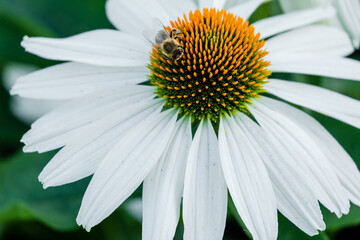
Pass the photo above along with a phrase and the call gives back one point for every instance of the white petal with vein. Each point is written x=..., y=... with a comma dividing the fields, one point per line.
x=313, y=39
x=163, y=188
x=344, y=166
x=205, y=193
x=59, y=126
x=219, y=4
x=69, y=80
x=82, y=154
x=136, y=15
x=125, y=167
x=99, y=47
x=318, y=99
x=315, y=64
x=176, y=8
x=245, y=9
x=307, y=155
x=294, y=200
x=248, y=181
x=281, y=23
x=348, y=11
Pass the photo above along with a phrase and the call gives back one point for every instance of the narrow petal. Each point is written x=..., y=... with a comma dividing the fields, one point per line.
x=219, y=4
x=294, y=200
x=163, y=188
x=316, y=64
x=343, y=165
x=248, y=181
x=136, y=15
x=318, y=99
x=313, y=39
x=100, y=47
x=306, y=154
x=84, y=152
x=69, y=80
x=281, y=23
x=245, y=9
x=59, y=126
x=205, y=193
x=125, y=167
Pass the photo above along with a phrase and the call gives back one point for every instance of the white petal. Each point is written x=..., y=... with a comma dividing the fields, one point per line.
x=82, y=154
x=219, y=4
x=245, y=9
x=205, y=193
x=318, y=99
x=163, y=188
x=176, y=8
x=294, y=200
x=125, y=167
x=29, y=110
x=69, y=80
x=277, y=24
x=26, y=110
x=248, y=181
x=58, y=127
x=306, y=154
x=136, y=15
x=316, y=64
x=313, y=39
x=348, y=11
x=12, y=71
x=344, y=167
x=100, y=47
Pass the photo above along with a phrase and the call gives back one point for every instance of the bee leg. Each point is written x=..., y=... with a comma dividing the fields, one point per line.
x=178, y=37
x=173, y=32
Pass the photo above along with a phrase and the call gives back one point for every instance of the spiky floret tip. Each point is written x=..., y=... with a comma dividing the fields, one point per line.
x=222, y=68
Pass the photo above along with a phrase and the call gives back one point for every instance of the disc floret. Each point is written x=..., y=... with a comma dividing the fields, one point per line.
x=221, y=70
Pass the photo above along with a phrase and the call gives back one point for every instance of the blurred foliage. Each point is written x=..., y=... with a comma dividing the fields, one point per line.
x=22, y=199
x=29, y=212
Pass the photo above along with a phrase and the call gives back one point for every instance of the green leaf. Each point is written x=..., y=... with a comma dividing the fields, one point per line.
x=267, y=9
x=22, y=196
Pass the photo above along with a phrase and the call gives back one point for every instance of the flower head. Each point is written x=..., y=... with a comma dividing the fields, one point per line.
x=132, y=111
x=222, y=68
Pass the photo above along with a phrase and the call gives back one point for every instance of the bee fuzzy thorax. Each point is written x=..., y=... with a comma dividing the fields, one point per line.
x=221, y=69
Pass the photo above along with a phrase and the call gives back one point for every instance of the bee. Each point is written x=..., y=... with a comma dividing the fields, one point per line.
x=168, y=44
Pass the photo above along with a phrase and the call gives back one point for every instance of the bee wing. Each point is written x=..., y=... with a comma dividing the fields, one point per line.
x=158, y=26
x=150, y=35
x=157, y=34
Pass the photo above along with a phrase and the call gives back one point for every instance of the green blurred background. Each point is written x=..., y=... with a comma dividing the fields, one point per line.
x=29, y=212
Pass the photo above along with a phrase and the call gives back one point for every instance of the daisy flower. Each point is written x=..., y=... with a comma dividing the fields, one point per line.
x=347, y=18
x=199, y=125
